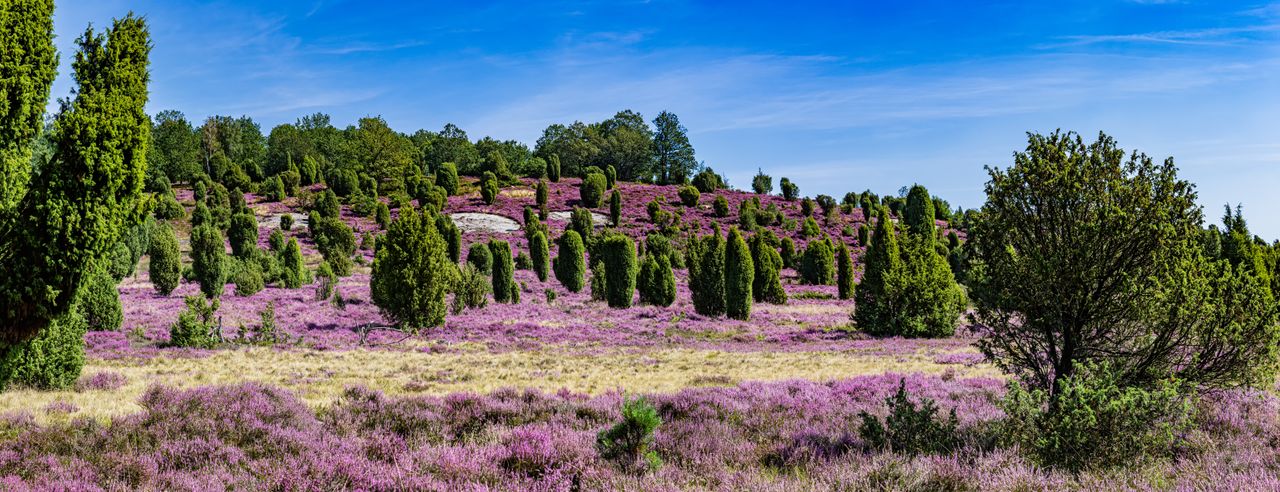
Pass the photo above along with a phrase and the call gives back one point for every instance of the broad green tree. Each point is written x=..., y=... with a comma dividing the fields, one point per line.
x=673, y=156
x=412, y=272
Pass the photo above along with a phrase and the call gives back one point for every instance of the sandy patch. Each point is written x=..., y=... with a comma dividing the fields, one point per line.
x=273, y=221
x=481, y=222
x=563, y=216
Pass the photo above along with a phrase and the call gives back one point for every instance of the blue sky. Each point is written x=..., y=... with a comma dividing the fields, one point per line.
x=838, y=97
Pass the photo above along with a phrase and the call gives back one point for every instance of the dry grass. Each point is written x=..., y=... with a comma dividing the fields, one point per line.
x=319, y=377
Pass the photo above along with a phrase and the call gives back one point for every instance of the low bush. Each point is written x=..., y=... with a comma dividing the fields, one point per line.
x=629, y=443
x=910, y=429
x=689, y=195
x=196, y=326
x=471, y=291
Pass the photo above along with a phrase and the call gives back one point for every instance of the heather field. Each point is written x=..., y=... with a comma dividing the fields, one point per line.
x=512, y=396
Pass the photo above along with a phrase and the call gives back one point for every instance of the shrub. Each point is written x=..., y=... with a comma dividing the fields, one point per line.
x=909, y=429
x=919, y=214
x=844, y=272
x=166, y=260
x=452, y=237
x=382, y=215
x=580, y=220
x=864, y=235
x=344, y=182
x=327, y=279
x=789, y=190
x=705, y=259
x=504, y=287
x=272, y=189
x=721, y=206
x=766, y=284
x=200, y=215
x=628, y=443
x=806, y=207
x=615, y=208
x=619, y=255
x=327, y=204
x=336, y=242
x=591, y=191
x=479, y=256
x=196, y=326
x=168, y=208
x=412, y=272
x=739, y=274
x=248, y=278
x=656, y=281
x=540, y=194
x=1098, y=422
x=447, y=178
x=553, y=169
x=817, y=266
x=570, y=264
x=788, y=253
x=289, y=181
x=98, y=300
x=118, y=261
x=827, y=204
x=539, y=254
x=243, y=235
x=908, y=291
x=50, y=360
x=610, y=177
x=489, y=188
x=689, y=195
x=523, y=262
x=598, y=282
x=708, y=181
x=208, y=262
x=286, y=222
x=762, y=183
x=747, y=215
x=293, y=272
x=471, y=291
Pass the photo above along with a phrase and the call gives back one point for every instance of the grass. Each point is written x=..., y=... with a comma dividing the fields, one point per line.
x=319, y=377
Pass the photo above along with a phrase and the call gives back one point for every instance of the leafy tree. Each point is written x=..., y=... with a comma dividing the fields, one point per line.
x=411, y=272
x=625, y=143
x=208, y=260
x=553, y=168
x=844, y=272
x=539, y=254
x=619, y=259
x=166, y=260
x=706, y=262
x=570, y=264
x=1087, y=256
x=766, y=284
x=789, y=190
x=379, y=152
x=175, y=147
x=592, y=190
x=673, y=156
x=505, y=289
x=762, y=183
x=739, y=273
x=452, y=145
x=57, y=222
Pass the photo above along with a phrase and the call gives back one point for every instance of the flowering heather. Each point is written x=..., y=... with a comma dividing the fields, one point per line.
x=102, y=381
x=791, y=435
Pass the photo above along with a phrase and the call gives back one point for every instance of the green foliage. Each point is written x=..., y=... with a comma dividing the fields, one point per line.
x=629, y=442
x=327, y=280
x=327, y=204
x=504, y=286
x=98, y=301
x=447, y=178
x=243, y=235
x=541, y=193
x=919, y=214
x=788, y=253
x=478, y=255
x=673, y=156
x=747, y=215
x=591, y=191
x=708, y=181
x=610, y=177
x=762, y=183
x=817, y=265
x=705, y=257
x=619, y=259
x=656, y=281
x=827, y=204
x=910, y=429
x=599, y=281
x=343, y=182
x=412, y=272
x=293, y=272
x=766, y=284
x=739, y=274
x=810, y=228
x=168, y=208
x=539, y=254
x=286, y=222
x=382, y=215
x=844, y=272
x=336, y=242
x=864, y=235
x=196, y=326
x=689, y=195
x=118, y=261
x=580, y=221
x=166, y=260
x=248, y=277
x=789, y=190
x=906, y=290
x=54, y=223
x=272, y=189
x=721, y=206
x=553, y=169
x=489, y=188
x=471, y=291
x=1117, y=237
x=523, y=262
x=49, y=361
x=208, y=260
x=806, y=208
x=615, y=208
x=570, y=263
x=1096, y=421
